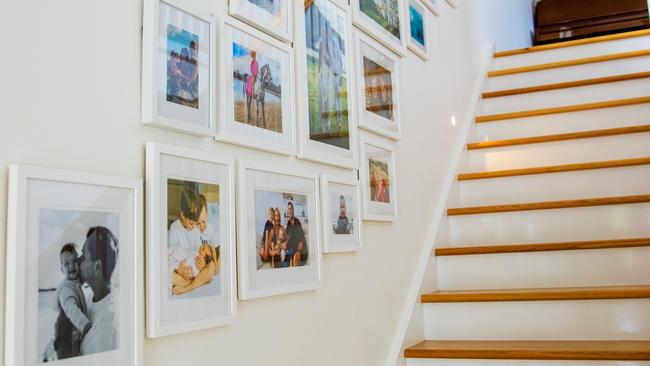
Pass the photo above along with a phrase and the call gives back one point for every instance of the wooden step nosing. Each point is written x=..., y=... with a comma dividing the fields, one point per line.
x=569, y=63
x=609, y=164
x=532, y=355
x=563, y=109
x=578, y=42
x=541, y=247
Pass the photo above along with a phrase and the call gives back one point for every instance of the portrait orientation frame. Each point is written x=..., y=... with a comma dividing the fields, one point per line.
x=241, y=133
x=280, y=27
x=368, y=47
x=372, y=28
x=34, y=190
x=421, y=50
x=165, y=162
x=314, y=150
x=156, y=109
x=255, y=283
x=348, y=242
x=373, y=211
x=433, y=6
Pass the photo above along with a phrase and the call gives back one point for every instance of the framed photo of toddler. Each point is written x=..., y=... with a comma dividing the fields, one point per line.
x=74, y=269
x=178, y=68
x=278, y=239
x=271, y=16
x=378, y=178
x=190, y=240
x=340, y=213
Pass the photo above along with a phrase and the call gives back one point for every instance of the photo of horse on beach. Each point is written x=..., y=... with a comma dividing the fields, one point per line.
x=256, y=90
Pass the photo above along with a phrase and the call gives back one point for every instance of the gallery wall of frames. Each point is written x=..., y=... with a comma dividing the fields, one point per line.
x=314, y=80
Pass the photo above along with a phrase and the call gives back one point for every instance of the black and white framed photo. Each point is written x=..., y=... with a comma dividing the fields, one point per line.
x=377, y=87
x=257, y=78
x=340, y=213
x=433, y=5
x=74, y=269
x=383, y=20
x=278, y=241
x=378, y=178
x=324, y=63
x=418, y=28
x=178, y=68
x=191, y=279
x=271, y=16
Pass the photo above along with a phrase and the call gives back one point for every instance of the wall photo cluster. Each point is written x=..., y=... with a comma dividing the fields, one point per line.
x=314, y=79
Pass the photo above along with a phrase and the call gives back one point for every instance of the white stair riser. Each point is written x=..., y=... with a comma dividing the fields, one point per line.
x=569, y=96
x=569, y=268
x=561, y=152
x=564, y=122
x=571, y=53
x=462, y=362
x=569, y=73
x=556, y=225
x=627, y=319
x=556, y=186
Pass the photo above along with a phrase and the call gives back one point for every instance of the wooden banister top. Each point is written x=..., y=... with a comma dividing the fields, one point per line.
x=564, y=109
x=542, y=247
x=585, y=202
x=578, y=42
x=568, y=84
x=567, y=63
x=559, y=137
x=540, y=294
x=555, y=169
x=532, y=350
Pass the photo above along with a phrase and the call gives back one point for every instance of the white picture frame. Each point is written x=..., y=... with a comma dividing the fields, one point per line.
x=325, y=150
x=382, y=84
x=239, y=124
x=376, y=150
x=372, y=27
x=96, y=210
x=169, y=100
x=433, y=6
x=278, y=25
x=268, y=183
x=210, y=304
x=452, y=3
x=337, y=239
x=418, y=18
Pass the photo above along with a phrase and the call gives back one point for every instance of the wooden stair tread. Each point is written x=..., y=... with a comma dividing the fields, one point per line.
x=555, y=168
x=548, y=205
x=540, y=294
x=532, y=350
x=567, y=63
x=559, y=137
x=566, y=85
x=577, y=42
x=542, y=247
x=564, y=109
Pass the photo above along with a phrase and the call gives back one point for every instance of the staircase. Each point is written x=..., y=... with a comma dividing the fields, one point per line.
x=545, y=258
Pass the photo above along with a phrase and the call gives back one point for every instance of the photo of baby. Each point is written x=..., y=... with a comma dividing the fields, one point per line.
x=342, y=211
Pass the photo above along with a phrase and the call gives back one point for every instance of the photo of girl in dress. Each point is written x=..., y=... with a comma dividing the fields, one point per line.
x=378, y=89
x=379, y=181
x=182, y=67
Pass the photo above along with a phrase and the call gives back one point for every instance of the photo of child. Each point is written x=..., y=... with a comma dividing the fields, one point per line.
x=342, y=211
x=379, y=181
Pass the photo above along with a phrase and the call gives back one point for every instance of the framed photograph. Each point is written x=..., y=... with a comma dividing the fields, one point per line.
x=377, y=88
x=190, y=240
x=433, y=5
x=378, y=178
x=327, y=125
x=418, y=29
x=178, y=68
x=257, y=104
x=271, y=16
x=383, y=20
x=74, y=269
x=341, y=214
x=278, y=246
x=452, y=3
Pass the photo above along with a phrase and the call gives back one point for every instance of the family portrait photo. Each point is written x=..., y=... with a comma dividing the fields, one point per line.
x=383, y=12
x=378, y=89
x=327, y=62
x=281, y=230
x=272, y=6
x=193, y=241
x=78, y=283
x=182, y=67
x=379, y=180
x=256, y=88
x=342, y=211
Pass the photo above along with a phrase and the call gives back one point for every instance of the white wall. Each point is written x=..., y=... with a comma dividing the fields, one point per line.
x=507, y=23
x=70, y=98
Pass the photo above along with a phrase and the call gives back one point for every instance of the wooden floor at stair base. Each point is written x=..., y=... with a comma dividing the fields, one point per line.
x=532, y=350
